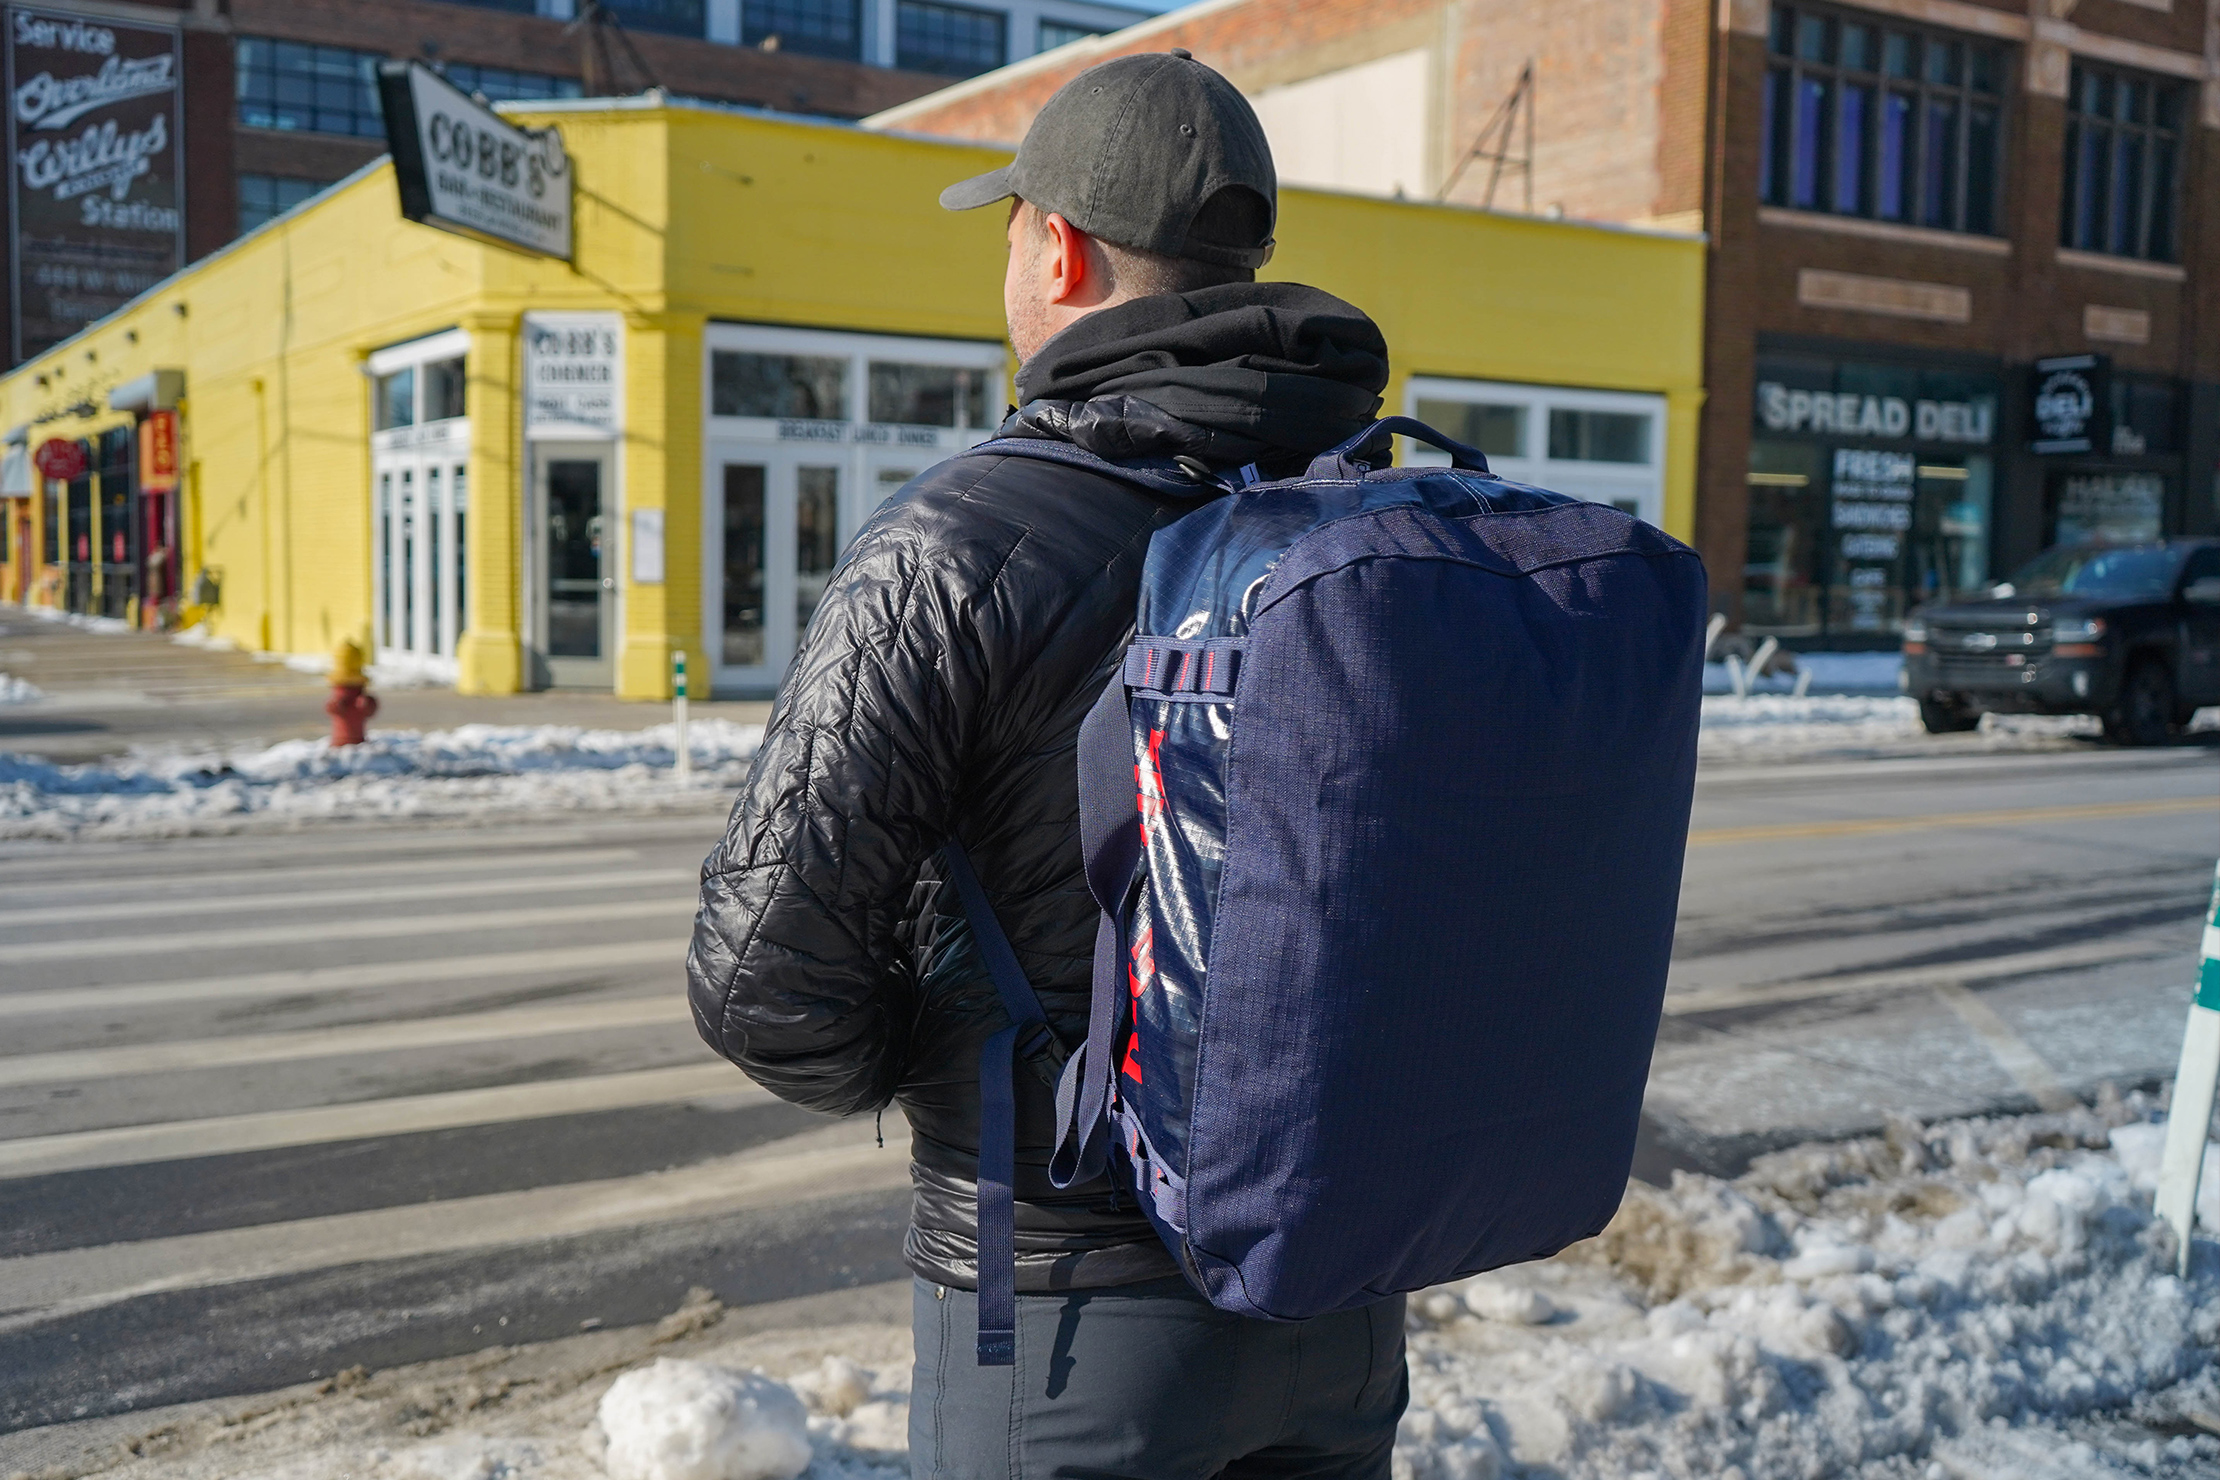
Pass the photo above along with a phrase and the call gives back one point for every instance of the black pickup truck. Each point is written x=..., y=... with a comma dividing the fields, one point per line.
x=2130, y=633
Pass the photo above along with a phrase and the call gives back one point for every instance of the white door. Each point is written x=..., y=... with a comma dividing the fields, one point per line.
x=574, y=528
x=776, y=534
x=419, y=604
x=884, y=473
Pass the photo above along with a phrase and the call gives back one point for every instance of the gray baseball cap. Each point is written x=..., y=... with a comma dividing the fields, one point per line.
x=1134, y=151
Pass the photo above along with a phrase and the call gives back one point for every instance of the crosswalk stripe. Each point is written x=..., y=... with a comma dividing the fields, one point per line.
x=507, y=881
x=221, y=1135
x=403, y=838
x=506, y=1025
x=298, y=874
x=40, y=1287
x=326, y=932
x=566, y=962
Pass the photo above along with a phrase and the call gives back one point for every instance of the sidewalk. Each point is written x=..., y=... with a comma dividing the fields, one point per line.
x=103, y=694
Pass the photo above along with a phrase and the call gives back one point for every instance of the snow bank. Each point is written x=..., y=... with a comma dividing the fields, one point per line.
x=1781, y=724
x=681, y=1420
x=473, y=770
x=109, y=625
x=1975, y=1300
x=1831, y=673
x=15, y=690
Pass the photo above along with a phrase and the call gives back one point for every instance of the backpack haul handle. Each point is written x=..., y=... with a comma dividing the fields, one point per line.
x=1335, y=462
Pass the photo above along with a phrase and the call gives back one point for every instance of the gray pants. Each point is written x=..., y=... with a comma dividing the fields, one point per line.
x=1150, y=1382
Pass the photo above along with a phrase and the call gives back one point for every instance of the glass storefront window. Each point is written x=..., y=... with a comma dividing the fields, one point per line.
x=743, y=566
x=2106, y=508
x=1605, y=446
x=1599, y=436
x=1780, y=573
x=1845, y=541
x=395, y=401
x=816, y=538
x=1498, y=431
x=809, y=432
x=928, y=395
x=444, y=390
x=788, y=387
x=1870, y=491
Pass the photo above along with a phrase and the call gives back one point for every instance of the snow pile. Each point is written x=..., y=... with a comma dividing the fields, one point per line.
x=393, y=670
x=1975, y=1300
x=1984, y=1300
x=15, y=690
x=468, y=771
x=199, y=636
x=106, y=625
x=1765, y=724
x=680, y=1420
x=687, y=1420
x=1831, y=673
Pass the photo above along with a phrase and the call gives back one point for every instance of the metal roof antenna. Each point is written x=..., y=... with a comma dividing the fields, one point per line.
x=1497, y=143
x=603, y=37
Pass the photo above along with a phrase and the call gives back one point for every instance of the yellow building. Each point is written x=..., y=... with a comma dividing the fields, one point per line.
x=513, y=472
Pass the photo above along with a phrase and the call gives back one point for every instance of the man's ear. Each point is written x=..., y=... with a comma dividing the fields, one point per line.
x=1066, y=259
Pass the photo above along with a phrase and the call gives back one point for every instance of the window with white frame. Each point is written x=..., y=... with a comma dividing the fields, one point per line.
x=1605, y=446
x=420, y=501
x=808, y=433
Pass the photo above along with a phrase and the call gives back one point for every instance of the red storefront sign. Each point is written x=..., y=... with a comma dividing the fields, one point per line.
x=60, y=459
x=158, y=452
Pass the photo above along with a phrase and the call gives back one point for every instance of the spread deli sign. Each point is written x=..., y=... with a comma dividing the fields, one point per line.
x=96, y=186
x=464, y=168
x=1797, y=411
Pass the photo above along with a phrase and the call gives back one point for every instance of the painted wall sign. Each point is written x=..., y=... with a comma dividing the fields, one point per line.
x=573, y=375
x=464, y=168
x=158, y=452
x=1782, y=408
x=2073, y=404
x=97, y=184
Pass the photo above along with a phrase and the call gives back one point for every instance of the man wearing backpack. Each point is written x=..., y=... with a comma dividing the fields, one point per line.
x=937, y=698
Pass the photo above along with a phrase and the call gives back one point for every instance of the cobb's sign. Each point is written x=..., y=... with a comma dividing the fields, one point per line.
x=464, y=168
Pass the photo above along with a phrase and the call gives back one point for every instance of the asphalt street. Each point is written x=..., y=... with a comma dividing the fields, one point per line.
x=279, y=1104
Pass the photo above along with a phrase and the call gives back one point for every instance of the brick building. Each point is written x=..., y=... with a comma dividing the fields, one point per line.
x=1964, y=254
x=261, y=103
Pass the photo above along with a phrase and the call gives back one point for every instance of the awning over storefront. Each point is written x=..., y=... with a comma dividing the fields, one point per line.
x=15, y=467
x=157, y=390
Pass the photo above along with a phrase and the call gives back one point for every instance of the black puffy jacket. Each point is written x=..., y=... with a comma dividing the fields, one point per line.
x=939, y=692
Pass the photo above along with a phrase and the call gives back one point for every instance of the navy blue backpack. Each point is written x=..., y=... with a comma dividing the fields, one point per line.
x=1385, y=813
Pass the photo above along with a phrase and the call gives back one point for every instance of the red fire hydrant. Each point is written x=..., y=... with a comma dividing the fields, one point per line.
x=350, y=707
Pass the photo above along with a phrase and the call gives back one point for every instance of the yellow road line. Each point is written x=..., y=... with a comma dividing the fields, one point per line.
x=1854, y=827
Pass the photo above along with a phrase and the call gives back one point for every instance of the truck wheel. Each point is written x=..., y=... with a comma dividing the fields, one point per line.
x=2144, y=714
x=1942, y=718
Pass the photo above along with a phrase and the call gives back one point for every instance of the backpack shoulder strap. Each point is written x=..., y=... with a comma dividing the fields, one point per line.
x=1029, y=1037
x=1163, y=476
